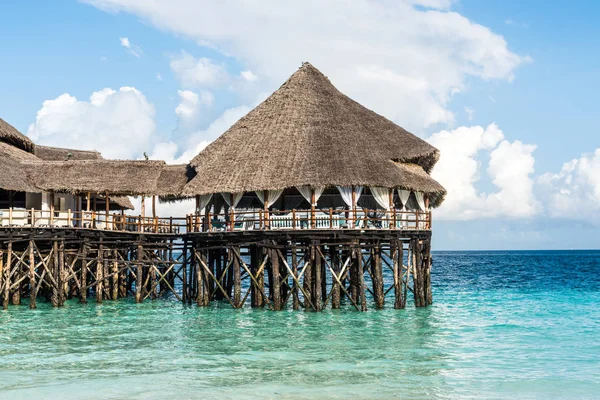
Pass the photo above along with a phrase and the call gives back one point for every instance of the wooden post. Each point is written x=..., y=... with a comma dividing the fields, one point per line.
x=32, y=280
x=377, y=278
x=361, y=280
x=184, y=272
x=100, y=273
x=266, y=211
x=335, y=288
x=276, y=284
x=255, y=295
x=316, y=261
x=354, y=216
x=62, y=276
x=7, y=273
x=296, y=300
x=55, y=273
x=106, y=209
x=237, y=280
x=51, y=209
x=397, y=258
x=84, y=268
x=313, y=220
x=115, y=275
x=138, y=275
x=143, y=206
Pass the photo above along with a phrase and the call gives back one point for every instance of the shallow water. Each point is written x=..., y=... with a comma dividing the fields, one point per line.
x=504, y=325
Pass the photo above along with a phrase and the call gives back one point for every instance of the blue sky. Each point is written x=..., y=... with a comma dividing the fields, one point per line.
x=530, y=68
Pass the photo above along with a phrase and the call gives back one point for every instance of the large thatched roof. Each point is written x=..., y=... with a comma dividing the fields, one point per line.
x=9, y=134
x=61, y=154
x=117, y=177
x=309, y=133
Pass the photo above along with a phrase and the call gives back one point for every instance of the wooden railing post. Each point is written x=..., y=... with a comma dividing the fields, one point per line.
x=69, y=217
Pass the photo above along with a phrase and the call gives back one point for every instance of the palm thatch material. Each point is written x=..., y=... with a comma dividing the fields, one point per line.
x=9, y=134
x=48, y=153
x=309, y=133
x=117, y=177
x=13, y=176
x=172, y=180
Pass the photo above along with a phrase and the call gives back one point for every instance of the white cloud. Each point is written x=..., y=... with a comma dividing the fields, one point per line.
x=190, y=103
x=510, y=168
x=404, y=59
x=119, y=124
x=131, y=48
x=159, y=76
x=574, y=192
x=249, y=76
x=198, y=72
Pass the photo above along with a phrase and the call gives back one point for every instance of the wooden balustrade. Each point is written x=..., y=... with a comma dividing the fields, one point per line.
x=235, y=220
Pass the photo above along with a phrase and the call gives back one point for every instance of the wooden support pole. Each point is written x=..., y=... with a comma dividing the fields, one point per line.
x=317, y=277
x=377, y=276
x=115, y=275
x=237, y=281
x=296, y=300
x=100, y=273
x=308, y=278
x=335, y=287
x=361, y=280
x=84, y=271
x=32, y=280
x=397, y=258
x=184, y=284
x=55, y=272
x=62, y=274
x=7, y=273
x=139, y=274
x=276, y=284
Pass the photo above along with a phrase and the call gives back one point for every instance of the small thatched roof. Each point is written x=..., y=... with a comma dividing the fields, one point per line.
x=48, y=153
x=9, y=134
x=309, y=133
x=13, y=176
x=117, y=177
x=172, y=180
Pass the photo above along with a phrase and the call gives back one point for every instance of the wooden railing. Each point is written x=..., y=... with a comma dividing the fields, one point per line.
x=310, y=219
x=360, y=219
x=90, y=220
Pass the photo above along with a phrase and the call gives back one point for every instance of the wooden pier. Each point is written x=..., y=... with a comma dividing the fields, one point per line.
x=301, y=270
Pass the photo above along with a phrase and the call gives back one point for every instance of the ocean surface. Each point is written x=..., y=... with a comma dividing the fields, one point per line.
x=504, y=325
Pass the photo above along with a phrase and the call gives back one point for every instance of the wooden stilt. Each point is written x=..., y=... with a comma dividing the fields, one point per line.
x=139, y=274
x=7, y=273
x=377, y=278
x=100, y=273
x=55, y=273
x=317, y=277
x=335, y=287
x=115, y=275
x=361, y=280
x=276, y=283
x=84, y=270
x=237, y=281
x=32, y=280
x=62, y=274
x=296, y=301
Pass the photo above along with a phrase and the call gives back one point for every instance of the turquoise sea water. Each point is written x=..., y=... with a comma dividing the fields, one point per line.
x=504, y=325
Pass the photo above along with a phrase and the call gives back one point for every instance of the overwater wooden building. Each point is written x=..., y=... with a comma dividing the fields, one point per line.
x=306, y=202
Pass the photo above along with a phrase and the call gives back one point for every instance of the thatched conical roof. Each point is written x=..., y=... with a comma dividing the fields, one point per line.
x=309, y=133
x=10, y=134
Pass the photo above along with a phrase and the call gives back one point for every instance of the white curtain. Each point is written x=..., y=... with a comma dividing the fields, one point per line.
x=306, y=192
x=203, y=201
x=232, y=199
x=420, y=200
x=381, y=196
x=403, y=195
x=272, y=196
x=346, y=193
